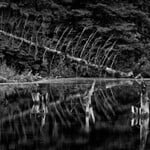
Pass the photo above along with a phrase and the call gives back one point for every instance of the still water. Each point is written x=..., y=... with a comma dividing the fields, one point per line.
x=88, y=114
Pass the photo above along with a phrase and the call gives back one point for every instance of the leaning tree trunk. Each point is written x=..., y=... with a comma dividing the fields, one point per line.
x=108, y=70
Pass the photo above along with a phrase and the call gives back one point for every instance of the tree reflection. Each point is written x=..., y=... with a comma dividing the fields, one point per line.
x=141, y=114
x=71, y=113
x=40, y=106
x=83, y=106
x=89, y=113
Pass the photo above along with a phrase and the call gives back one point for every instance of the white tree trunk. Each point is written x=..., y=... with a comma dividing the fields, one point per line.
x=76, y=59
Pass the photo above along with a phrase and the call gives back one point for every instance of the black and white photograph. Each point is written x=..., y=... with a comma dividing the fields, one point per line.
x=74, y=74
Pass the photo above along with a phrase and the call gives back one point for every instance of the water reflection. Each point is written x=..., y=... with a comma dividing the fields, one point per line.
x=141, y=115
x=40, y=106
x=89, y=115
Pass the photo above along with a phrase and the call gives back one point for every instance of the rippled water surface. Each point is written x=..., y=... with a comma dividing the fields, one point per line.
x=81, y=114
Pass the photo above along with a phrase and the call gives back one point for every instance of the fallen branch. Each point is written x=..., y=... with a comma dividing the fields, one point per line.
x=110, y=71
x=3, y=79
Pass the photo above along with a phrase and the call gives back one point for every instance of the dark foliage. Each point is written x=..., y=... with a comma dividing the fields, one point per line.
x=126, y=22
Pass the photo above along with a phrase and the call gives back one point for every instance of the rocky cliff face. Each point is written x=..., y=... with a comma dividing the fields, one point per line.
x=82, y=28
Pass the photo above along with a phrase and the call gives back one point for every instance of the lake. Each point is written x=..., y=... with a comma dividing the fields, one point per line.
x=75, y=114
